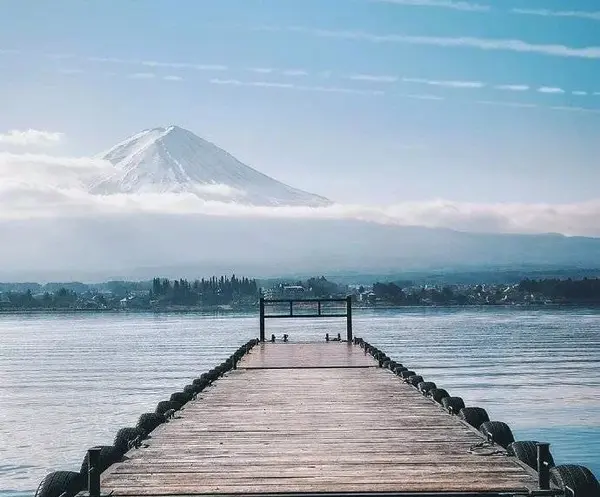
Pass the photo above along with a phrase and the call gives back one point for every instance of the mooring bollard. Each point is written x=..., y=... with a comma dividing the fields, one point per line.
x=543, y=466
x=326, y=337
x=273, y=338
x=94, y=472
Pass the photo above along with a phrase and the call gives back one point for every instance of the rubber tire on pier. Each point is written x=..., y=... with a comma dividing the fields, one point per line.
x=453, y=404
x=59, y=482
x=475, y=416
x=399, y=369
x=426, y=386
x=181, y=397
x=526, y=452
x=577, y=478
x=166, y=405
x=405, y=374
x=109, y=454
x=414, y=380
x=212, y=375
x=149, y=421
x=438, y=394
x=200, y=384
x=498, y=431
x=124, y=436
x=191, y=389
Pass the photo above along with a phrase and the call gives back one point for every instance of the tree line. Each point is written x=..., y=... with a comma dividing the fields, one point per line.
x=212, y=291
x=585, y=290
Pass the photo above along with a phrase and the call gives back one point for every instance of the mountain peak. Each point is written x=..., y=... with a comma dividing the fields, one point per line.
x=174, y=160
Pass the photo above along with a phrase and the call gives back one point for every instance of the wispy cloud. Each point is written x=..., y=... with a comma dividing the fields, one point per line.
x=159, y=64
x=422, y=96
x=521, y=105
x=182, y=65
x=261, y=70
x=110, y=60
x=449, y=84
x=373, y=78
x=550, y=89
x=559, y=13
x=512, y=87
x=50, y=171
x=449, y=42
x=260, y=84
x=31, y=137
x=36, y=186
x=446, y=4
x=142, y=75
x=582, y=110
x=294, y=72
x=171, y=77
x=579, y=93
x=516, y=105
x=290, y=86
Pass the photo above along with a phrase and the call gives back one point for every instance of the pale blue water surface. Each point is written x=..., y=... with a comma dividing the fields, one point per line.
x=70, y=381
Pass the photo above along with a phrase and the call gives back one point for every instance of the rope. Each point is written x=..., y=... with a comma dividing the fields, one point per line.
x=485, y=449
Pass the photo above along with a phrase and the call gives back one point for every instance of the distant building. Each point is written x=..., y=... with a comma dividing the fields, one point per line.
x=269, y=293
x=293, y=291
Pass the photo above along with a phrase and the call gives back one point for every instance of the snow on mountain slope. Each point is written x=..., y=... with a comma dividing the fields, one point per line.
x=174, y=160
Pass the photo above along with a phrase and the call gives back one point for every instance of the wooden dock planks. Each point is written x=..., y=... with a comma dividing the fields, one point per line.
x=343, y=426
x=306, y=355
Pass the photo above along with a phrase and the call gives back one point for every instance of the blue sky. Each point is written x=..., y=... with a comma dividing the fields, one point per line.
x=362, y=101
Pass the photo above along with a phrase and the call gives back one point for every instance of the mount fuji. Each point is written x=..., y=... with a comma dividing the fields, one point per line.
x=175, y=160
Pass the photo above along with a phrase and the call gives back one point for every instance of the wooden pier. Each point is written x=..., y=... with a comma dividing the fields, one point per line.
x=313, y=418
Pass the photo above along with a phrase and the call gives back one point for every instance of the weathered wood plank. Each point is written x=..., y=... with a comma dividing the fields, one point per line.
x=334, y=421
x=306, y=355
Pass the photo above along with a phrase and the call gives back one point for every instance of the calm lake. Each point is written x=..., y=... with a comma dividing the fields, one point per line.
x=68, y=382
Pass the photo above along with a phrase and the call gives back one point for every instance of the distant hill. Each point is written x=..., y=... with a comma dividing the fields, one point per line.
x=141, y=247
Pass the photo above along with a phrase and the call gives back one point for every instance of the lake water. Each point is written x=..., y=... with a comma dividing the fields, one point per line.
x=68, y=382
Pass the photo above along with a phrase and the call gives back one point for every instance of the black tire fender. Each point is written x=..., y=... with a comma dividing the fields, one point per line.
x=59, y=482
x=109, y=454
x=453, y=404
x=578, y=478
x=438, y=394
x=426, y=386
x=149, y=421
x=526, y=452
x=497, y=431
x=166, y=405
x=475, y=416
x=414, y=380
x=124, y=436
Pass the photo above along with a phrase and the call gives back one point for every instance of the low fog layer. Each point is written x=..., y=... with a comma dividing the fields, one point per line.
x=144, y=245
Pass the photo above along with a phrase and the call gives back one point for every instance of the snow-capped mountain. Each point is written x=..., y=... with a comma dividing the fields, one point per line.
x=174, y=160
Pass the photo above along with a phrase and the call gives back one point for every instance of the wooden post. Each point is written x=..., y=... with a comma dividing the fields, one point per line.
x=349, y=319
x=543, y=456
x=94, y=472
x=291, y=308
x=262, y=319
